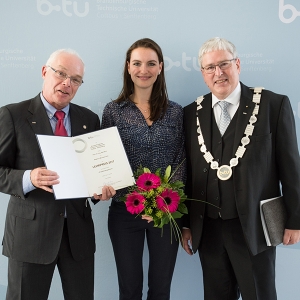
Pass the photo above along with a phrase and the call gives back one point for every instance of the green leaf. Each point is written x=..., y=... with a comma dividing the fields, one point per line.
x=167, y=173
x=146, y=170
x=123, y=198
x=182, y=208
x=177, y=215
x=177, y=184
x=165, y=220
x=157, y=172
x=139, y=172
x=156, y=220
x=181, y=195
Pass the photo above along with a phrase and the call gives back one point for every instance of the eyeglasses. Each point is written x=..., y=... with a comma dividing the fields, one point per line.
x=222, y=65
x=63, y=76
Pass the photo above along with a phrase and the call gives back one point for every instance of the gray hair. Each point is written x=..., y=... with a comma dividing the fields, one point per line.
x=53, y=56
x=215, y=44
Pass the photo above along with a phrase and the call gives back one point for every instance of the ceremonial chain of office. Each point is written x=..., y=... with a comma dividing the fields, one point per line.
x=224, y=172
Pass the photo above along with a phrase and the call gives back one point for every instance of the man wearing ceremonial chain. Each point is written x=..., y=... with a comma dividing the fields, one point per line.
x=241, y=148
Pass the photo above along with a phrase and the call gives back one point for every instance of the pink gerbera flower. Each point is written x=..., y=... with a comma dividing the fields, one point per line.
x=168, y=201
x=135, y=203
x=148, y=181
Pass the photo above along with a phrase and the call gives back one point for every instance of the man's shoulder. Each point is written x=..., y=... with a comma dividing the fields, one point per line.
x=82, y=109
x=174, y=108
x=271, y=94
x=193, y=105
x=190, y=106
x=22, y=105
x=268, y=94
x=174, y=104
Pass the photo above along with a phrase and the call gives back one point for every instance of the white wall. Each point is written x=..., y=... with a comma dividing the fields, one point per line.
x=266, y=34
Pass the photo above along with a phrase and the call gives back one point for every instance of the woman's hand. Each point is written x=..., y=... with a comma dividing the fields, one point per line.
x=107, y=193
x=148, y=218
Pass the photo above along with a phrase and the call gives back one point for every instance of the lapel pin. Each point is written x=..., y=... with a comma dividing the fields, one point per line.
x=84, y=127
x=33, y=122
x=244, y=113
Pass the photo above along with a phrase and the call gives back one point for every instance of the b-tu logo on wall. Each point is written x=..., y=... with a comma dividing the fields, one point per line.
x=193, y=61
x=45, y=7
x=291, y=13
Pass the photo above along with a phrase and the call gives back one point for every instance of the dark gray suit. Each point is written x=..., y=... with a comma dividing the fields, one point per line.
x=271, y=158
x=35, y=221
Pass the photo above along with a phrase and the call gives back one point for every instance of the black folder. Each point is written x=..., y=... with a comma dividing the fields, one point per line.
x=273, y=216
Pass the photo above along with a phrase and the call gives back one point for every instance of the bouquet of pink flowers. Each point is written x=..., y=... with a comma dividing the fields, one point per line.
x=155, y=196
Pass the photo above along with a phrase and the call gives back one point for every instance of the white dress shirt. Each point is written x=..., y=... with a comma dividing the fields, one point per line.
x=233, y=98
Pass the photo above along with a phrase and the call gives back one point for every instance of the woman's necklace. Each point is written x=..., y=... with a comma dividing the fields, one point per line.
x=142, y=109
x=146, y=114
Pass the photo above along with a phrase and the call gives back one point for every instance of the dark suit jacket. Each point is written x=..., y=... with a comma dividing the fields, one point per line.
x=271, y=158
x=35, y=221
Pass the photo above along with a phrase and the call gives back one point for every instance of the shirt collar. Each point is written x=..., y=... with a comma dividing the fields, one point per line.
x=233, y=98
x=51, y=110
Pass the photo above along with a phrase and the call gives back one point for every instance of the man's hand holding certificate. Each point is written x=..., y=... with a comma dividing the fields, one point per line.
x=86, y=163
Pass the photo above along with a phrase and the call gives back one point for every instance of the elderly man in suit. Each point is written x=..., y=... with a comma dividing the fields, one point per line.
x=241, y=148
x=40, y=232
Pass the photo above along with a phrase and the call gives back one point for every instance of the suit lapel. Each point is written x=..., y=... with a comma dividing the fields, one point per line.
x=205, y=120
x=243, y=115
x=78, y=121
x=38, y=118
x=40, y=124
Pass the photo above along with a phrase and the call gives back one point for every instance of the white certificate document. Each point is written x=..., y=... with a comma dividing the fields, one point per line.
x=86, y=163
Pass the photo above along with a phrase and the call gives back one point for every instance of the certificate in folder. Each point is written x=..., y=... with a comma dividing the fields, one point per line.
x=86, y=163
x=273, y=217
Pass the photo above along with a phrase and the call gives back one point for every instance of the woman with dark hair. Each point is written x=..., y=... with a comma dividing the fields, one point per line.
x=151, y=128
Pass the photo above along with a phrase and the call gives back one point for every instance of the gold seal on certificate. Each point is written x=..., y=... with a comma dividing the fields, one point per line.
x=86, y=162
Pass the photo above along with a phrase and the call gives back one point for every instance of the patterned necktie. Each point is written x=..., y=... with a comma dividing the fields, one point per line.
x=60, y=128
x=225, y=117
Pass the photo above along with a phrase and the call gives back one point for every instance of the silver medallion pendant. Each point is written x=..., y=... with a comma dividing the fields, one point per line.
x=224, y=172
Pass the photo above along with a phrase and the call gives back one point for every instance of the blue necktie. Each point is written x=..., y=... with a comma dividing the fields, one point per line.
x=225, y=117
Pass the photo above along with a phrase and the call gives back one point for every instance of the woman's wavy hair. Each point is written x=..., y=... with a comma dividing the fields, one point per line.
x=159, y=95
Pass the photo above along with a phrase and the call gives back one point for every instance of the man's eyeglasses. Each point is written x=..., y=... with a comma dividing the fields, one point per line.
x=63, y=76
x=222, y=65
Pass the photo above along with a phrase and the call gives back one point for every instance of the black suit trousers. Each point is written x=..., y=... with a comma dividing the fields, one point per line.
x=29, y=281
x=229, y=269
